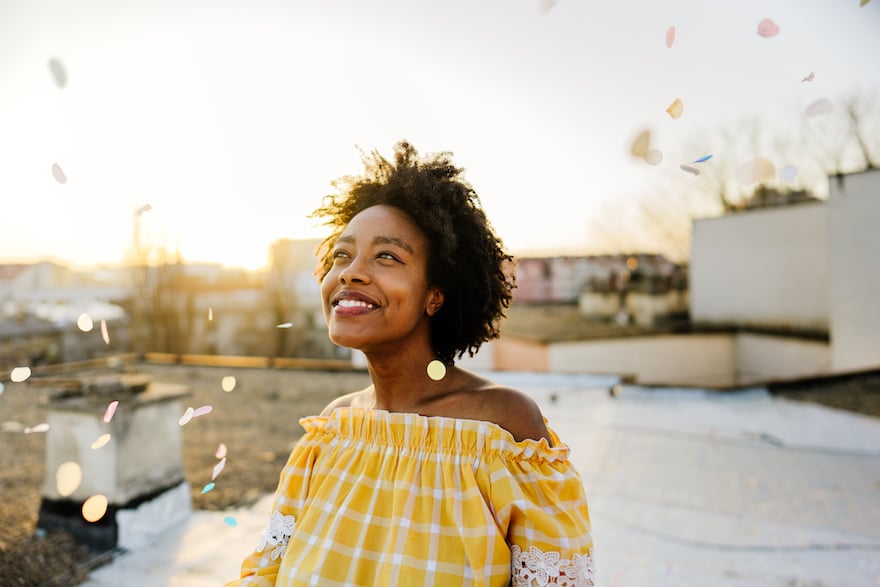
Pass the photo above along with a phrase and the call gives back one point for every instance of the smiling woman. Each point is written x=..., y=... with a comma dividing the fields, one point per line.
x=428, y=475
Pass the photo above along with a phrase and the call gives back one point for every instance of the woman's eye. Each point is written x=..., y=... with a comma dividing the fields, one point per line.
x=388, y=256
x=340, y=255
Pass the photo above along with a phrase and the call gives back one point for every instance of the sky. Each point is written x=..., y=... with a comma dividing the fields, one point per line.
x=231, y=119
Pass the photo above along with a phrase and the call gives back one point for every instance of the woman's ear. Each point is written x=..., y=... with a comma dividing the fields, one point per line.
x=435, y=301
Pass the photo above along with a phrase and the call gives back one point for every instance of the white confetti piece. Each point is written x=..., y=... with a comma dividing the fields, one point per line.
x=810, y=77
x=1, y=388
x=42, y=427
x=100, y=441
x=19, y=374
x=436, y=370
x=227, y=384
x=654, y=157
x=201, y=411
x=94, y=508
x=210, y=314
x=676, y=109
x=105, y=334
x=670, y=37
x=186, y=417
x=58, y=174
x=68, y=478
x=111, y=409
x=218, y=468
x=819, y=107
x=220, y=453
x=58, y=73
x=689, y=169
x=84, y=322
x=285, y=325
x=767, y=28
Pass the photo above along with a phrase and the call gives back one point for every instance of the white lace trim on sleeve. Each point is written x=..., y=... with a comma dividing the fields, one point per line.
x=537, y=568
x=276, y=535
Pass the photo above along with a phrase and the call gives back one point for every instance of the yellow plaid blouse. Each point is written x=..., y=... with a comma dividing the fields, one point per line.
x=376, y=498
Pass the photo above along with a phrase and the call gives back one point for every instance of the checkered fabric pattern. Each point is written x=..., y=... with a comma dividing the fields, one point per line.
x=376, y=498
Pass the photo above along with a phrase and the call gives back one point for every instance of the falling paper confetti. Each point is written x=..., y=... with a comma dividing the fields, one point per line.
x=105, y=334
x=58, y=174
x=546, y=5
x=84, y=322
x=68, y=478
x=676, y=109
x=218, y=468
x=809, y=77
x=202, y=411
x=227, y=384
x=689, y=169
x=863, y=2
x=220, y=453
x=58, y=72
x=703, y=159
x=1, y=388
x=757, y=170
x=43, y=427
x=111, y=409
x=101, y=441
x=670, y=36
x=230, y=521
x=821, y=106
x=436, y=370
x=210, y=314
x=207, y=488
x=94, y=508
x=767, y=28
x=641, y=144
x=285, y=325
x=653, y=157
x=19, y=374
x=789, y=172
x=186, y=417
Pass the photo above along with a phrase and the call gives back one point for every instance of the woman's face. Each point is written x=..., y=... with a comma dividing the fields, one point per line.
x=376, y=295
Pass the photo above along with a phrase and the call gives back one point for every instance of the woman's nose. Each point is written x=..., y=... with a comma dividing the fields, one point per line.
x=354, y=272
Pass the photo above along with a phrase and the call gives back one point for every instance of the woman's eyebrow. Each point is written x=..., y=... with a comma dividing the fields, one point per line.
x=378, y=240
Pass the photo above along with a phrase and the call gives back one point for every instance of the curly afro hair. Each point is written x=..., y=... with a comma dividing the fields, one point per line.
x=466, y=259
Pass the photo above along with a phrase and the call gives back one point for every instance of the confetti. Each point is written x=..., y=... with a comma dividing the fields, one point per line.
x=670, y=37
x=285, y=325
x=227, y=384
x=84, y=322
x=111, y=409
x=105, y=334
x=821, y=106
x=809, y=77
x=58, y=174
x=653, y=157
x=546, y=5
x=767, y=28
x=230, y=521
x=94, y=508
x=68, y=478
x=703, y=159
x=19, y=374
x=689, y=169
x=863, y=2
x=58, y=73
x=218, y=468
x=641, y=144
x=789, y=172
x=207, y=488
x=43, y=427
x=210, y=314
x=757, y=170
x=202, y=411
x=1, y=388
x=436, y=370
x=186, y=417
x=101, y=441
x=676, y=109
x=220, y=453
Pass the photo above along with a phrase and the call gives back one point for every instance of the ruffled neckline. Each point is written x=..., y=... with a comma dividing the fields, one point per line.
x=411, y=432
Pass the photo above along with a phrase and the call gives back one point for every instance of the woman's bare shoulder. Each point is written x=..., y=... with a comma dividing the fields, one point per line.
x=514, y=411
x=354, y=399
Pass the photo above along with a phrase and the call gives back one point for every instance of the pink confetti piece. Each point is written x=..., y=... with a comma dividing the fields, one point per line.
x=207, y=488
x=703, y=159
x=186, y=417
x=220, y=453
x=58, y=174
x=202, y=411
x=105, y=334
x=689, y=169
x=819, y=107
x=809, y=77
x=654, y=157
x=100, y=441
x=767, y=28
x=43, y=427
x=676, y=109
x=230, y=521
x=111, y=410
x=670, y=37
x=218, y=468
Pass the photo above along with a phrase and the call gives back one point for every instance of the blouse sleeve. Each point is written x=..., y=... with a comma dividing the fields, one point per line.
x=539, y=500
x=260, y=568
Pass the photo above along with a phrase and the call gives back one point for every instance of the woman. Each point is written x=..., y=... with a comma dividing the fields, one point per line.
x=431, y=475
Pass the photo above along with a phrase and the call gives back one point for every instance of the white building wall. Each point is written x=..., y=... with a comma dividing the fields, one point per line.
x=854, y=221
x=760, y=357
x=765, y=267
x=686, y=359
